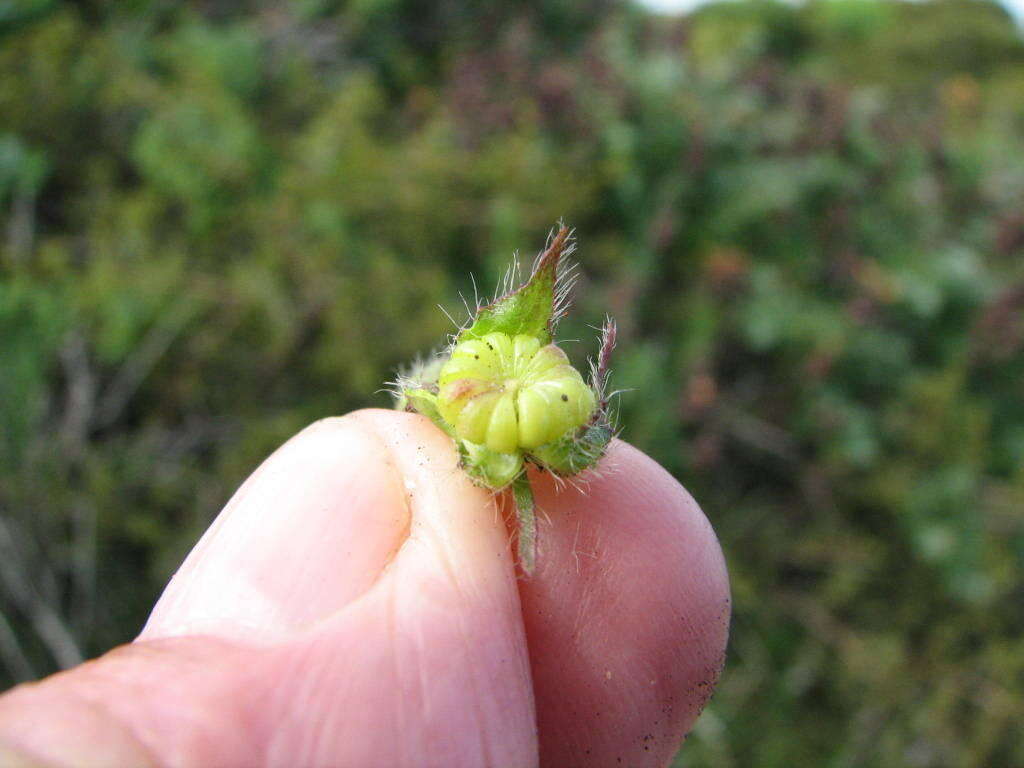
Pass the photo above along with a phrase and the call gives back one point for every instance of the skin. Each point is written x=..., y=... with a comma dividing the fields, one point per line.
x=357, y=604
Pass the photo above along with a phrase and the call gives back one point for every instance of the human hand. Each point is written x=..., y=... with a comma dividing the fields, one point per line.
x=356, y=604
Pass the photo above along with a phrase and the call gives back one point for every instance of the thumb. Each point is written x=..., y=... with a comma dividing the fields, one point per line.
x=354, y=604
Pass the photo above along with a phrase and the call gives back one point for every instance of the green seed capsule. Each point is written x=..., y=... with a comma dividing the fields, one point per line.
x=510, y=393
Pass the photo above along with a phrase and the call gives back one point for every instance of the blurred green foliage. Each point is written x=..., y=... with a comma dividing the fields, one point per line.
x=221, y=221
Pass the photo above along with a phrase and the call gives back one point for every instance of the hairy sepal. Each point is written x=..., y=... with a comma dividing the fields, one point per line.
x=574, y=453
x=488, y=468
x=424, y=402
x=529, y=310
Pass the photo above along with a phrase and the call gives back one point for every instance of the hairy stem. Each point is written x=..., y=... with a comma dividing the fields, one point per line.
x=522, y=494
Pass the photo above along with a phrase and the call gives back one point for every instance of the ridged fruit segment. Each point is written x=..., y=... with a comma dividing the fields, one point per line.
x=511, y=393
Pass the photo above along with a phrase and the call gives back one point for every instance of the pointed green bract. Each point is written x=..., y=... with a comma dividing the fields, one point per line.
x=528, y=311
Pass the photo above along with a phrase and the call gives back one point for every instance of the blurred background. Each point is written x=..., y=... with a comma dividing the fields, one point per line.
x=220, y=221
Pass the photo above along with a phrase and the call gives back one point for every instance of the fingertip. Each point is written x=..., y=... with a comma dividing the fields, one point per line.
x=627, y=616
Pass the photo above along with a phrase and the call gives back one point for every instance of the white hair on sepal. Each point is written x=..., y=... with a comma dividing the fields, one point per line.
x=449, y=316
x=565, y=285
x=421, y=373
x=452, y=338
x=510, y=282
x=566, y=271
x=476, y=294
x=567, y=249
x=600, y=371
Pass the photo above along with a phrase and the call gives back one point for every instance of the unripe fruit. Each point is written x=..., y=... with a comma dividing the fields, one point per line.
x=511, y=393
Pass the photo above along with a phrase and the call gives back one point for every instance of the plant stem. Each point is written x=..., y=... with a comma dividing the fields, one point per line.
x=527, y=529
